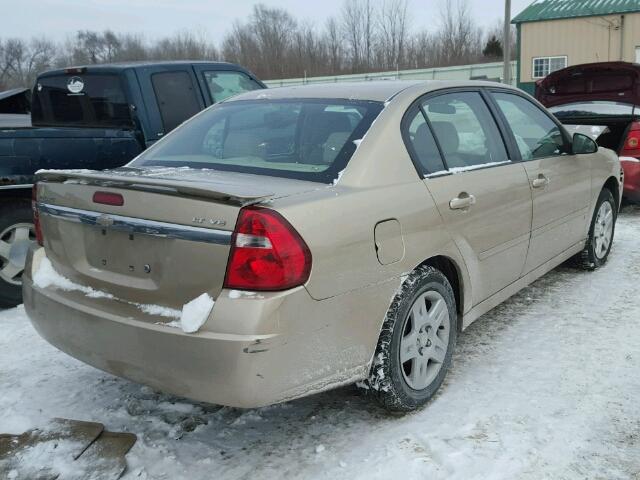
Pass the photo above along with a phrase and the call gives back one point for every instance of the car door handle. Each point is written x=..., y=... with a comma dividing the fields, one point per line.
x=540, y=182
x=462, y=201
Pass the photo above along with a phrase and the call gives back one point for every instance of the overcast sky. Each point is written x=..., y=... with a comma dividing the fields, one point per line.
x=58, y=19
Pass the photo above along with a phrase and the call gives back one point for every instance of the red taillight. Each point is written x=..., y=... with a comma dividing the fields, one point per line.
x=266, y=253
x=108, y=198
x=631, y=147
x=36, y=215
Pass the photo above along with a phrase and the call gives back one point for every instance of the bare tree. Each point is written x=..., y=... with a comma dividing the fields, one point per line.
x=184, y=45
x=459, y=36
x=357, y=24
x=367, y=35
x=273, y=29
x=333, y=44
x=393, y=24
x=21, y=61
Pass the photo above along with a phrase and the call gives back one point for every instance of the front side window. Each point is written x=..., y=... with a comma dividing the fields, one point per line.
x=543, y=66
x=306, y=139
x=465, y=129
x=536, y=134
x=222, y=85
x=89, y=100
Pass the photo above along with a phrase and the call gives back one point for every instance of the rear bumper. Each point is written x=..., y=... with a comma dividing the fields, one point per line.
x=631, y=189
x=253, y=351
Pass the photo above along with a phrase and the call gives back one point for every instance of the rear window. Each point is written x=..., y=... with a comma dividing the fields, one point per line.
x=93, y=100
x=304, y=139
x=592, y=109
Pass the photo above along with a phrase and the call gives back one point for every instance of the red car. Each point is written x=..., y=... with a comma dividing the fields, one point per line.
x=601, y=100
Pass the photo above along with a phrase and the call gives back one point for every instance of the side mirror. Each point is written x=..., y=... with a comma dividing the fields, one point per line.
x=583, y=144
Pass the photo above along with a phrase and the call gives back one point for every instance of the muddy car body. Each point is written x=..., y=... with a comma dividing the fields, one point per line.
x=345, y=232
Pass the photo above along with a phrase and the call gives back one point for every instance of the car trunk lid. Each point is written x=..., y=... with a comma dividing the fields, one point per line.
x=610, y=82
x=165, y=245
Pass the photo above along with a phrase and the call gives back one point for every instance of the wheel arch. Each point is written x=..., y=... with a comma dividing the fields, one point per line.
x=613, y=186
x=452, y=271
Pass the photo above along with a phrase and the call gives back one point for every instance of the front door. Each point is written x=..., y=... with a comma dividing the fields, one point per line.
x=560, y=182
x=483, y=197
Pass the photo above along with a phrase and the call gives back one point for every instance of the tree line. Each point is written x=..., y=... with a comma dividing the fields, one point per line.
x=365, y=36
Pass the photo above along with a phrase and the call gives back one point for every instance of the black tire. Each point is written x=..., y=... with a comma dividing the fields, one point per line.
x=388, y=380
x=591, y=258
x=12, y=212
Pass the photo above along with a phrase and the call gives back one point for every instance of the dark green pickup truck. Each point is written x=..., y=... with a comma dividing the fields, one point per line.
x=96, y=117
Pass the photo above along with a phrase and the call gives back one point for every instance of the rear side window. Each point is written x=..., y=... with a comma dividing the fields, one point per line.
x=306, y=139
x=536, y=134
x=424, y=147
x=465, y=129
x=222, y=85
x=176, y=96
x=90, y=100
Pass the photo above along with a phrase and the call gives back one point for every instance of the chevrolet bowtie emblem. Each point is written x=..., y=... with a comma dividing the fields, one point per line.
x=104, y=221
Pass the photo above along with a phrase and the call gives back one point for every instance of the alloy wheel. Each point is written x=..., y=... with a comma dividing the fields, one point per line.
x=14, y=245
x=425, y=340
x=603, y=230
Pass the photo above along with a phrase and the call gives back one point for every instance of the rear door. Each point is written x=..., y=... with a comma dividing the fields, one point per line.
x=483, y=197
x=560, y=182
x=171, y=95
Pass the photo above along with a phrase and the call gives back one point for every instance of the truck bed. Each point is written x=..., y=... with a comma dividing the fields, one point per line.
x=26, y=150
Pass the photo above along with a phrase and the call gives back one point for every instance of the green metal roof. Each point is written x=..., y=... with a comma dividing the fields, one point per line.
x=541, y=10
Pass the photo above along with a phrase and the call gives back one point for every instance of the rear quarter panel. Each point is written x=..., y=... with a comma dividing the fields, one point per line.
x=380, y=183
x=605, y=164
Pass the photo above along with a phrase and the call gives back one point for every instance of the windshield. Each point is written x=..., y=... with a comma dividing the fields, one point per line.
x=593, y=109
x=90, y=100
x=306, y=139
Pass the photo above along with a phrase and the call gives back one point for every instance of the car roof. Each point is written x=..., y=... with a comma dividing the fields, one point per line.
x=137, y=64
x=380, y=90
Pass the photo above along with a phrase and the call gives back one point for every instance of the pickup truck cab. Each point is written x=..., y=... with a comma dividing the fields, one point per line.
x=96, y=117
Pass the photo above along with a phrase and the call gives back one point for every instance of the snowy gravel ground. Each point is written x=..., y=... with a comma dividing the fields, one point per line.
x=546, y=386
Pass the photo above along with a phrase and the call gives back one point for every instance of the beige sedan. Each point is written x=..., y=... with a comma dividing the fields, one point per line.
x=289, y=241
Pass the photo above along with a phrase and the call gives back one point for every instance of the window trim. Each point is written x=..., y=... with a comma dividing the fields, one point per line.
x=506, y=135
x=550, y=58
x=516, y=155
